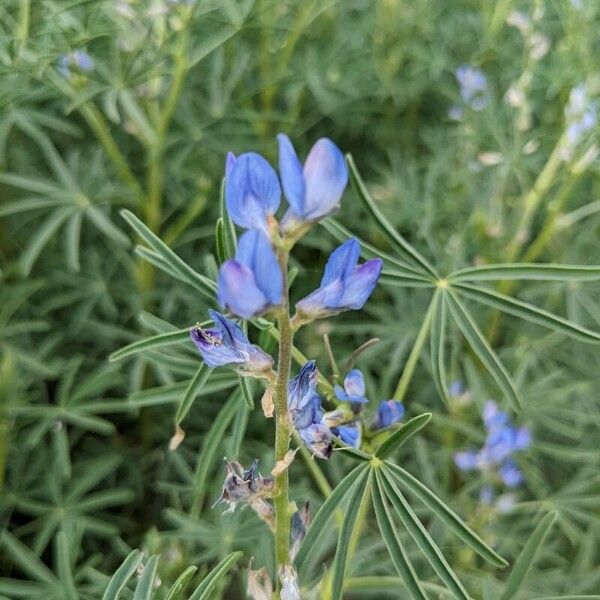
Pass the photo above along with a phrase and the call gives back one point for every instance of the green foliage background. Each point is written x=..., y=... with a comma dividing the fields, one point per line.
x=85, y=470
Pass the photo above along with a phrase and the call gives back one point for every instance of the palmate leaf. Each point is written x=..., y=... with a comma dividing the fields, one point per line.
x=448, y=517
x=421, y=536
x=527, y=311
x=393, y=543
x=527, y=271
x=356, y=478
x=481, y=347
x=395, y=239
x=358, y=494
x=203, y=284
x=402, y=435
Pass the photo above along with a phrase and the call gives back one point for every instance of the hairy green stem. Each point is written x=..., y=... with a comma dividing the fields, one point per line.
x=282, y=422
x=413, y=357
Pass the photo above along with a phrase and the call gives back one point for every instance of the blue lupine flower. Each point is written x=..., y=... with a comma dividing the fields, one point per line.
x=226, y=344
x=510, y=474
x=493, y=417
x=252, y=190
x=467, y=460
x=349, y=434
x=457, y=388
x=313, y=191
x=345, y=284
x=354, y=388
x=473, y=86
x=252, y=283
x=78, y=59
x=304, y=405
x=388, y=413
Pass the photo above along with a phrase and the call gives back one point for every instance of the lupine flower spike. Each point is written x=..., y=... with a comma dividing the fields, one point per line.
x=315, y=189
x=252, y=191
x=226, y=344
x=345, y=285
x=252, y=283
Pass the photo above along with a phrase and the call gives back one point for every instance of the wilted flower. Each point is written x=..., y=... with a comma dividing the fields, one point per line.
x=353, y=390
x=345, y=284
x=290, y=589
x=252, y=283
x=300, y=523
x=304, y=405
x=78, y=59
x=227, y=344
x=247, y=487
x=473, y=86
x=388, y=413
x=259, y=585
x=252, y=190
x=313, y=191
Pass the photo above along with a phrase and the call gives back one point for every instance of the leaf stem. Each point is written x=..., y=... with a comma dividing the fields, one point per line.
x=413, y=357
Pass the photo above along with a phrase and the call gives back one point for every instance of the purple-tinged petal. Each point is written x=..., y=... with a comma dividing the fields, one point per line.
x=213, y=351
x=229, y=162
x=292, y=178
x=388, y=413
x=238, y=292
x=302, y=388
x=325, y=178
x=342, y=261
x=354, y=383
x=522, y=438
x=510, y=474
x=318, y=438
x=360, y=285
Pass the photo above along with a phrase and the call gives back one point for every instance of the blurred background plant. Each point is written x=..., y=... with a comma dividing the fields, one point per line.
x=474, y=125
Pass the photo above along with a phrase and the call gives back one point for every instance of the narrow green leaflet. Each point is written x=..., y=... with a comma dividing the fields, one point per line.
x=527, y=311
x=399, y=243
x=422, y=538
x=180, y=583
x=158, y=261
x=121, y=576
x=229, y=235
x=392, y=542
x=211, y=445
x=203, y=284
x=143, y=590
x=207, y=587
x=438, y=340
x=402, y=435
x=355, y=478
x=246, y=392
x=445, y=514
x=482, y=348
x=525, y=559
x=400, y=279
x=530, y=271
x=346, y=532
x=191, y=393
x=220, y=241
x=156, y=341
x=65, y=573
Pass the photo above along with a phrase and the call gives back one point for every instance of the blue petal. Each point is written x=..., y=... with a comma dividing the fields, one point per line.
x=349, y=434
x=340, y=393
x=229, y=162
x=252, y=191
x=325, y=178
x=510, y=474
x=388, y=413
x=342, y=261
x=231, y=332
x=238, y=292
x=360, y=285
x=492, y=416
x=318, y=438
x=354, y=383
x=323, y=300
x=214, y=352
x=292, y=179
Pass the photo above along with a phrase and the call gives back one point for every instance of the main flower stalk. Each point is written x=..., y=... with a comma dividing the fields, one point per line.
x=282, y=421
